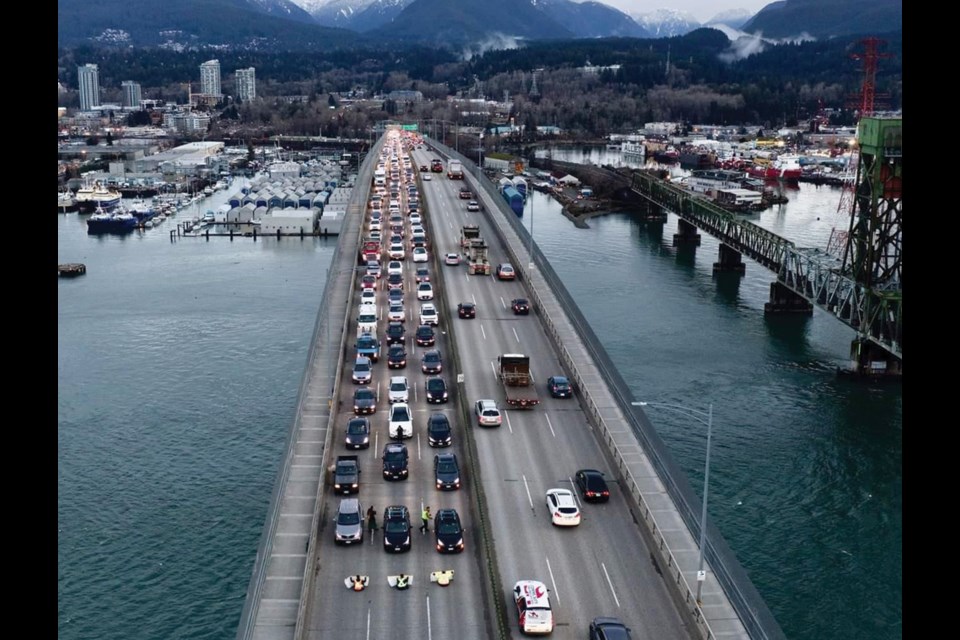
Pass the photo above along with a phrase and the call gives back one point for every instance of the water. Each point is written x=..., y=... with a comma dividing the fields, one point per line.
x=179, y=365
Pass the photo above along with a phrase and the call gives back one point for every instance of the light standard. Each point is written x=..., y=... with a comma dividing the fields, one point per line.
x=696, y=415
x=479, y=155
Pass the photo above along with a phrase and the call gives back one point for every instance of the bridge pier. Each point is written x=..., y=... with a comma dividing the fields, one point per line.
x=783, y=300
x=686, y=234
x=731, y=260
x=652, y=212
x=871, y=361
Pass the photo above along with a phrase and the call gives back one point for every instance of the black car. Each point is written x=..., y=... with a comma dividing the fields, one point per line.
x=436, y=390
x=358, y=433
x=396, y=528
x=397, y=356
x=592, y=485
x=449, y=531
x=606, y=628
x=395, y=333
x=395, y=459
x=439, y=433
x=431, y=362
x=521, y=306
x=446, y=471
x=426, y=337
x=364, y=401
x=559, y=387
x=467, y=310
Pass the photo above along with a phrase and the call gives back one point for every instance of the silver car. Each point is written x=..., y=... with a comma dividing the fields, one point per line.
x=349, y=522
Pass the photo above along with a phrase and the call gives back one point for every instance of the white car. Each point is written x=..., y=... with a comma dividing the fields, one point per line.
x=399, y=390
x=396, y=251
x=424, y=291
x=428, y=314
x=425, y=177
x=452, y=259
x=564, y=511
x=394, y=267
x=487, y=413
x=533, y=607
x=375, y=225
x=415, y=220
x=368, y=296
x=473, y=205
x=401, y=424
x=396, y=313
x=419, y=254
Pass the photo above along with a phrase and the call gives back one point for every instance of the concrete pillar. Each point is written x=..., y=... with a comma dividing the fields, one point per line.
x=686, y=234
x=870, y=360
x=783, y=300
x=730, y=260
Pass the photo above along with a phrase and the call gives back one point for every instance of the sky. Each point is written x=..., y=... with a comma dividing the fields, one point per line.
x=702, y=10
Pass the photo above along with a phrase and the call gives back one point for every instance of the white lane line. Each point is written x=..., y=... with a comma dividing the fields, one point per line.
x=494, y=367
x=515, y=334
x=483, y=332
x=610, y=582
x=550, y=424
x=502, y=303
x=555, y=594
x=576, y=497
x=419, y=457
x=368, y=623
x=509, y=426
x=430, y=628
x=529, y=497
x=474, y=298
x=376, y=441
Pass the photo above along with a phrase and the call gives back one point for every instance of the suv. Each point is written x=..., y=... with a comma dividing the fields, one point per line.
x=446, y=471
x=487, y=413
x=349, y=521
x=395, y=461
x=396, y=528
x=436, y=390
x=439, y=433
x=533, y=607
x=449, y=531
x=358, y=433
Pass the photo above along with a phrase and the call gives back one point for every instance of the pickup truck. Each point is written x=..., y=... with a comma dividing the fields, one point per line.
x=514, y=373
x=368, y=345
x=346, y=475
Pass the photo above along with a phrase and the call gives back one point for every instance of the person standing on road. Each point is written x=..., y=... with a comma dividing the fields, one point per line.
x=371, y=519
x=425, y=517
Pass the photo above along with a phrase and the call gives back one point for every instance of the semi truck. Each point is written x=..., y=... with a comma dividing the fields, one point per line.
x=455, y=170
x=346, y=474
x=518, y=387
x=477, y=264
x=467, y=233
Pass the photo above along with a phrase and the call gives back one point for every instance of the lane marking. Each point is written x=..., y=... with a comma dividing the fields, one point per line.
x=610, y=582
x=492, y=366
x=419, y=457
x=509, y=426
x=429, y=626
x=368, y=623
x=556, y=594
x=550, y=424
x=483, y=332
x=529, y=497
x=518, y=340
x=576, y=498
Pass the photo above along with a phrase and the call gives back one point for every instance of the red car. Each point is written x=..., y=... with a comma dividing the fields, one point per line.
x=368, y=281
x=505, y=271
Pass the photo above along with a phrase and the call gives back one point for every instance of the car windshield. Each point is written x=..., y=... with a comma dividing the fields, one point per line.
x=364, y=394
x=398, y=386
x=400, y=414
x=449, y=528
x=349, y=518
x=431, y=357
x=446, y=467
x=356, y=428
x=435, y=384
x=397, y=455
x=361, y=367
x=396, y=526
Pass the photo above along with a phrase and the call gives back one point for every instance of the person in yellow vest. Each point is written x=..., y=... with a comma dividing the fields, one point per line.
x=425, y=517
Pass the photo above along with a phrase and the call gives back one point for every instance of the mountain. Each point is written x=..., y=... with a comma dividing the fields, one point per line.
x=666, y=23
x=827, y=18
x=591, y=19
x=357, y=15
x=734, y=18
x=253, y=24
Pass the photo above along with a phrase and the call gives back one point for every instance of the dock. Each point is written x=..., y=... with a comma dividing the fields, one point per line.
x=71, y=270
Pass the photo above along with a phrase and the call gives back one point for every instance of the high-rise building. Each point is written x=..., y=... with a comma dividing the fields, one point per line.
x=132, y=94
x=210, y=78
x=246, y=84
x=88, y=79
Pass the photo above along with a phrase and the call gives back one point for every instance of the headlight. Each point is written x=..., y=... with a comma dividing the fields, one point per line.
x=407, y=541
x=460, y=543
x=354, y=485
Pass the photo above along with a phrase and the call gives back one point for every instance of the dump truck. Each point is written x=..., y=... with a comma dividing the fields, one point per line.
x=346, y=474
x=467, y=233
x=518, y=387
x=477, y=264
x=455, y=170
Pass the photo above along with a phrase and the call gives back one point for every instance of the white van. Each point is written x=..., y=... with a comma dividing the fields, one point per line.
x=367, y=319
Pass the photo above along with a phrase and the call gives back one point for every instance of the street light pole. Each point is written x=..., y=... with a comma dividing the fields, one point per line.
x=693, y=413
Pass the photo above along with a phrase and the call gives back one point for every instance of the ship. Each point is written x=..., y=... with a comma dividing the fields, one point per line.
x=111, y=222
x=66, y=202
x=96, y=196
x=784, y=168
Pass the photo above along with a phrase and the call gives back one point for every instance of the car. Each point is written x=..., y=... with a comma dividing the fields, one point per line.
x=395, y=296
x=395, y=267
x=364, y=401
x=425, y=177
x=428, y=314
x=396, y=239
x=592, y=485
x=375, y=225
x=397, y=356
x=425, y=336
x=396, y=313
x=394, y=281
x=505, y=271
x=452, y=259
x=424, y=291
x=467, y=310
x=448, y=531
x=401, y=423
x=349, y=521
x=488, y=415
x=399, y=389
x=465, y=193
x=424, y=167
x=559, y=387
x=374, y=269
x=431, y=362
x=415, y=221
x=564, y=511
x=395, y=333
x=420, y=254
x=375, y=236
x=362, y=370
x=368, y=296
x=396, y=251
x=473, y=205
x=358, y=433
x=608, y=628
x=446, y=471
x=533, y=607
x=439, y=433
x=395, y=459
x=423, y=274
x=436, y=390
x=520, y=306
x=396, y=529
x=368, y=345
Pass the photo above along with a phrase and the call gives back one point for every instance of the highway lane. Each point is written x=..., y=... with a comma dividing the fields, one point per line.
x=603, y=566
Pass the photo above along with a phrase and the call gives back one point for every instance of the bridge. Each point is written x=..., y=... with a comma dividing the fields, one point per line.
x=635, y=557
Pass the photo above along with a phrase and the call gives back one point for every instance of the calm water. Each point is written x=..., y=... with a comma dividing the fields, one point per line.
x=179, y=365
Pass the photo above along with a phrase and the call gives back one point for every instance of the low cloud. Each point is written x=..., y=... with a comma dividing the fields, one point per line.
x=743, y=45
x=493, y=42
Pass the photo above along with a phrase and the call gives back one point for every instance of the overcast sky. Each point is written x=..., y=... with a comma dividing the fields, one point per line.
x=702, y=10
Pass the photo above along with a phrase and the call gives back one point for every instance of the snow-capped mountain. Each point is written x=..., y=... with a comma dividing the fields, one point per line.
x=665, y=23
x=735, y=18
x=358, y=15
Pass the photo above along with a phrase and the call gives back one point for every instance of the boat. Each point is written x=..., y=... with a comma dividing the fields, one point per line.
x=96, y=196
x=66, y=202
x=783, y=168
x=111, y=222
x=141, y=210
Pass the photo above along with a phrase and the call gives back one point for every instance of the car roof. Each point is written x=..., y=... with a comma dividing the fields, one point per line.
x=397, y=379
x=349, y=504
x=562, y=495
